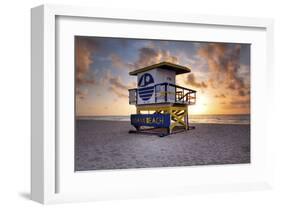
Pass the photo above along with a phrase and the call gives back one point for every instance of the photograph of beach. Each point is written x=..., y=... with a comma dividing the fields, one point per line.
x=143, y=103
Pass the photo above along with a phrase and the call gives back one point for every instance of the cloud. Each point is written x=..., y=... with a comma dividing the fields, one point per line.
x=150, y=56
x=227, y=76
x=237, y=103
x=241, y=93
x=220, y=96
x=223, y=61
x=244, y=103
x=117, y=83
x=81, y=93
x=117, y=86
x=84, y=47
x=191, y=80
x=118, y=93
x=147, y=56
x=118, y=62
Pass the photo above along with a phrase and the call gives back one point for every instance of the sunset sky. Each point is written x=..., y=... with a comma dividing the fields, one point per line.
x=220, y=72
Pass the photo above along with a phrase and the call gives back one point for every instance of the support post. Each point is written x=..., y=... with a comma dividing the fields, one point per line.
x=187, y=119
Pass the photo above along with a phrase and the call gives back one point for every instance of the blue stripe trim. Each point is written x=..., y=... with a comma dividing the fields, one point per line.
x=146, y=92
x=145, y=99
x=147, y=88
x=145, y=96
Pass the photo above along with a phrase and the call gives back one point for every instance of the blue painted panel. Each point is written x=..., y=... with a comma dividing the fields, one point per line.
x=154, y=120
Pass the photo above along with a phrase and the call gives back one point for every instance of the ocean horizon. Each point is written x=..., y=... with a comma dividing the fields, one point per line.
x=214, y=119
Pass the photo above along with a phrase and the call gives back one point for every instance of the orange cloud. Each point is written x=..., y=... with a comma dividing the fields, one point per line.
x=220, y=96
x=223, y=62
x=84, y=48
x=230, y=85
x=81, y=94
x=120, y=94
x=191, y=80
x=149, y=56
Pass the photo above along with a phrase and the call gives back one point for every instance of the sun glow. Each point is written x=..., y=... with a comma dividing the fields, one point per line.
x=201, y=106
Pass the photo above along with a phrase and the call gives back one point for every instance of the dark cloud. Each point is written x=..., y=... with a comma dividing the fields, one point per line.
x=120, y=94
x=118, y=62
x=81, y=94
x=223, y=62
x=191, y=80
x=240, y=103
x=150, y=56
x=147, y=56
x=220, y=96
x=117, y=83
x=231, y=86
x=241, y=93
x=237, y=103
x=84, y=47
x=224, y=69
x=117, y=86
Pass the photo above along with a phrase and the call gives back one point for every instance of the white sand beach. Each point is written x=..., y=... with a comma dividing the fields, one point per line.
x=104, y=145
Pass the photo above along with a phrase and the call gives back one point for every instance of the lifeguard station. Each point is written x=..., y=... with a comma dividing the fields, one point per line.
x=160, y=103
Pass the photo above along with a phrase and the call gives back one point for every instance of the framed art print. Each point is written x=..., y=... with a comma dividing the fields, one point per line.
x=130, y=104
x=194, y=125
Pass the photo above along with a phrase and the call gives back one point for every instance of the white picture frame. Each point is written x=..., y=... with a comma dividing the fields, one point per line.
x=49, y=167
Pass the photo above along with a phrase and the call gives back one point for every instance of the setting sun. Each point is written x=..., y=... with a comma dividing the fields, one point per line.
x=201, y=106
